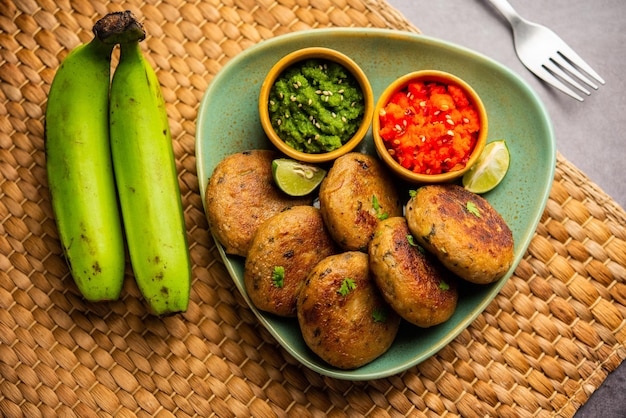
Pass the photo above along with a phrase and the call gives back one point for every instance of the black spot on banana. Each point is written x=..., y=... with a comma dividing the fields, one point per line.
x=80, y=173
x=147, y=184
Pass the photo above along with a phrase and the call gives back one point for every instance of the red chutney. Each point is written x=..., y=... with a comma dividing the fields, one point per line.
x=429, y=127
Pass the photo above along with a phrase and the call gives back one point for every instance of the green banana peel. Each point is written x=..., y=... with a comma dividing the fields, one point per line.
x=108, y=147
x=147, y=184
x=80, y=174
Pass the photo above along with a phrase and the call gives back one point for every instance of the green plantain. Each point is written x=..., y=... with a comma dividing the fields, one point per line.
x=147, y=183
x=80, y=174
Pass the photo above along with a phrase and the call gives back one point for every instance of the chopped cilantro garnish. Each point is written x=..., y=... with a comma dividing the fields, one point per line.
x=471, y=208
x=411, y=240
x=375, y=203
x=379, y=314
x=412, y=243
x=376, y=206
x=278, y=276
x=443, y=285
x=346, y=286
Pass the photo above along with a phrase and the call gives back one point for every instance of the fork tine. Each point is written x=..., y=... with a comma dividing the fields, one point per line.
x=565, y=64
x=555, y=69
x=570, y=55
x=555, y=82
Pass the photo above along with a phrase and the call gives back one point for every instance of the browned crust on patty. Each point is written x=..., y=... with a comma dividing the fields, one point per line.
x=414, y=283
x=343, y=330
x=354, y=185
x=241, y=195
x=296, y=240
x=463, y=230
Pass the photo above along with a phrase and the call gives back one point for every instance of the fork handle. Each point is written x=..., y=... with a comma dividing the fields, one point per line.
x=505, y=8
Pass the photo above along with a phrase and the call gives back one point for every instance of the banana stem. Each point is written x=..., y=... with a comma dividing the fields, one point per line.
x=131, y=52
x=119, y=27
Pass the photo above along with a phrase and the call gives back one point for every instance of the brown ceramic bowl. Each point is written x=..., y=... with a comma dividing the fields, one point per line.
x=300, y=56
x=442, y=78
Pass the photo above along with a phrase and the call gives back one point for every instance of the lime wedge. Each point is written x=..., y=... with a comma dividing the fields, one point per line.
x=490, y=168
x=296, y=178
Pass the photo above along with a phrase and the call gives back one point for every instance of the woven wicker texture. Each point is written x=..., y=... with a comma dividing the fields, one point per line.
x=541, y=348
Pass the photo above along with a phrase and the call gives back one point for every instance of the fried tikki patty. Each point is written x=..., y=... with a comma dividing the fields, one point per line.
x=356, y=193
x=463, y=230
x=283, y=251
x=342, y=315
x=412, y=281
x=241, y=195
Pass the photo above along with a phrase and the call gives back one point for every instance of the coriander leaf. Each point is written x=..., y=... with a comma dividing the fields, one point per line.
x=413, y=243
x=376, y=206
x=411, y=240
x=412, y=193
x=375, y=203
x=443, y=285
x=346, y=286
x=471, y=208
x=379, y=314
x=278, y=276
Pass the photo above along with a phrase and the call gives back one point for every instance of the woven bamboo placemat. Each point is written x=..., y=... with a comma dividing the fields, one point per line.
x=541, y=348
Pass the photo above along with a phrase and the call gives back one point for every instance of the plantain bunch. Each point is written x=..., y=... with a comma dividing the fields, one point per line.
x=112, y=174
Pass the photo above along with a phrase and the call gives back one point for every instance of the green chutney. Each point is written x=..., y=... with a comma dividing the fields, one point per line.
x=316, y=106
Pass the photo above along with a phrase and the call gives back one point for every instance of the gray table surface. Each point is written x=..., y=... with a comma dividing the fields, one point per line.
x=590, y=134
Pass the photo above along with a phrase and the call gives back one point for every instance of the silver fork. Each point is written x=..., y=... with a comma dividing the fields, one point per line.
x=545, y=54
